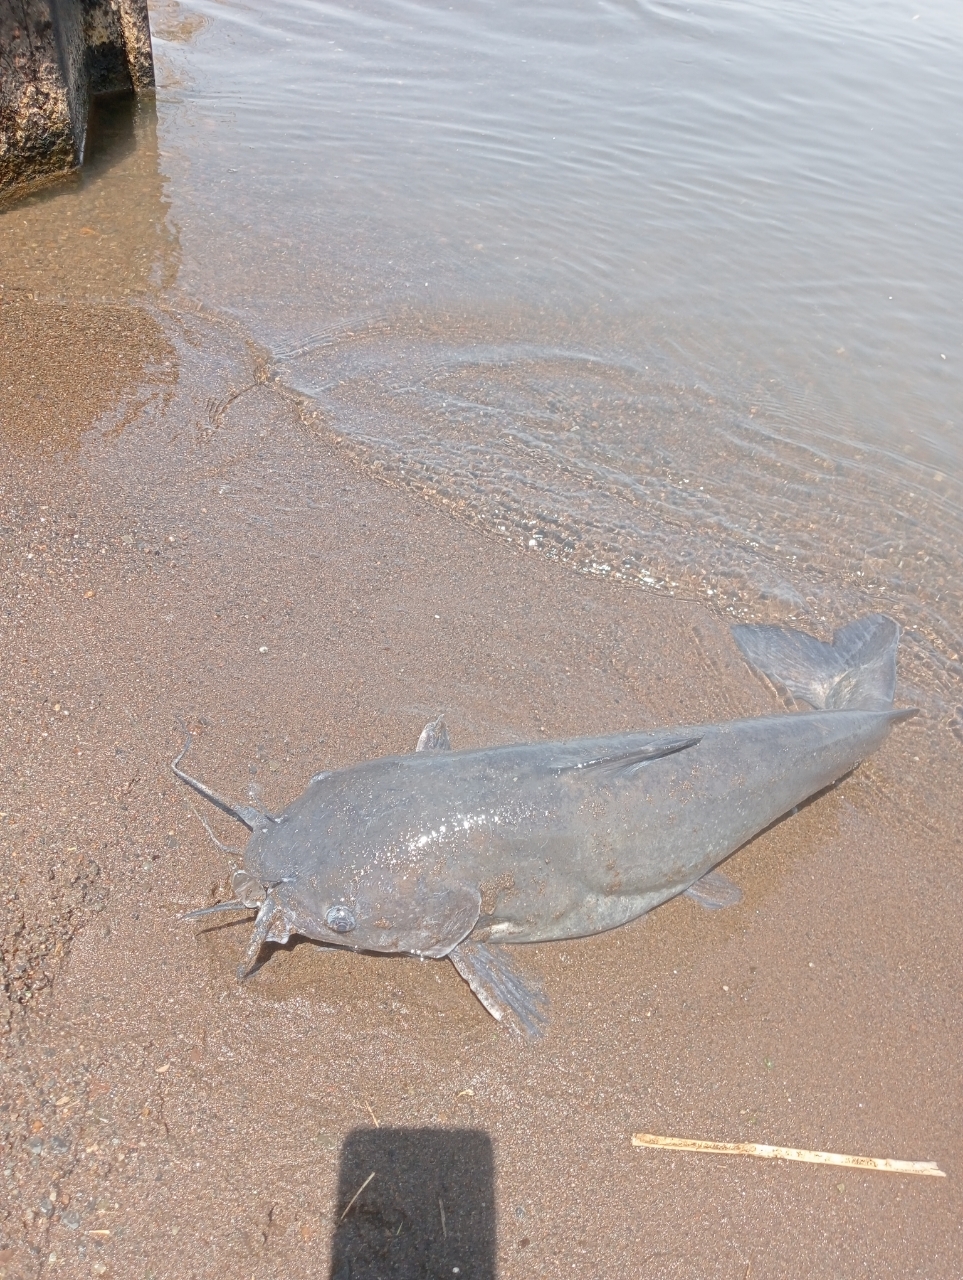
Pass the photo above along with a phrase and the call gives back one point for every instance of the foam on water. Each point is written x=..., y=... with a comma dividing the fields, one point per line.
x=635, y=471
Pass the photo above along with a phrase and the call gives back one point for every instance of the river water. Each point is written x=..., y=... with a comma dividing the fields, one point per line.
x=672, y=292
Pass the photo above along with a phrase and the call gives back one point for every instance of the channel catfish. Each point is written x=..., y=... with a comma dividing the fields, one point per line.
x=456, y=855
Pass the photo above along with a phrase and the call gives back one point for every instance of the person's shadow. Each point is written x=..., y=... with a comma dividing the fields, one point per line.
x=415, y=1204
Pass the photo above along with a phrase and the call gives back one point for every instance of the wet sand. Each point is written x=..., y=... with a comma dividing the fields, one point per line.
x=184, y=542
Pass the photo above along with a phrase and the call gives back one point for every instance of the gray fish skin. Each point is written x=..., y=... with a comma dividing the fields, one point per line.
x=520, y=844
x=448, y=853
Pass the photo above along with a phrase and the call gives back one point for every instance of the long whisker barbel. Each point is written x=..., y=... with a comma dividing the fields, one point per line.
x=245, y=813
x=224, y=848
x=235, y=905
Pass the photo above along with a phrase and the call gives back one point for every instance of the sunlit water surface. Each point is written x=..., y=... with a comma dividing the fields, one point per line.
x=672, y=291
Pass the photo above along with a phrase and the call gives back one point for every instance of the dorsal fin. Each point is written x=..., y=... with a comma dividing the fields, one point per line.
x=434, y=736
x=627, y=761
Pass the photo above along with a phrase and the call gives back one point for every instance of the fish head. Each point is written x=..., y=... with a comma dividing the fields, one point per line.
x=339, y=871
x=375, y=911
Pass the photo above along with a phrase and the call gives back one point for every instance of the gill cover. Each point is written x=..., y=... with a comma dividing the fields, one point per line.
x=423, y=922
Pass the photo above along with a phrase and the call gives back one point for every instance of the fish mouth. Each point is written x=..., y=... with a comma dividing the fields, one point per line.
x=247, y=889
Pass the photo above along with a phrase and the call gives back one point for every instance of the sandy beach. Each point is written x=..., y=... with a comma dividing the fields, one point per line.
x=235, y=572
x=187, y=541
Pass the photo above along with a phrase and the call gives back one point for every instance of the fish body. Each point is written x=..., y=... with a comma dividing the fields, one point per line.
x=442, y=853
x=544, y=841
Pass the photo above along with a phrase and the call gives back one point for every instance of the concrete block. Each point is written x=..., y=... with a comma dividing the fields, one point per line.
x=55, y=56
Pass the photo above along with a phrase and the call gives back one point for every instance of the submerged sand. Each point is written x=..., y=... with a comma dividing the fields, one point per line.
x=184, y=542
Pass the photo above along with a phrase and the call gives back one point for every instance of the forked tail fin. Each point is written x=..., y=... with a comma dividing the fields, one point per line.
x=856, y=672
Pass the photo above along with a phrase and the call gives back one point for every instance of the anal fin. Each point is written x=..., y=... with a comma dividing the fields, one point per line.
x=498, y=986
x=714, y=890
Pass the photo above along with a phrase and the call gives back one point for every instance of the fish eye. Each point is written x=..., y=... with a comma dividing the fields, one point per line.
x=340, y=919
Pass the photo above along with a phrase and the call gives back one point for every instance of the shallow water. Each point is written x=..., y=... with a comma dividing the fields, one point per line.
x=669, y=291
x=672, y=291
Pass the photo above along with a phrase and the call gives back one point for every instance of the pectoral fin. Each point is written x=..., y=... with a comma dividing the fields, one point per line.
x=714, y=890
x=498, y=986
